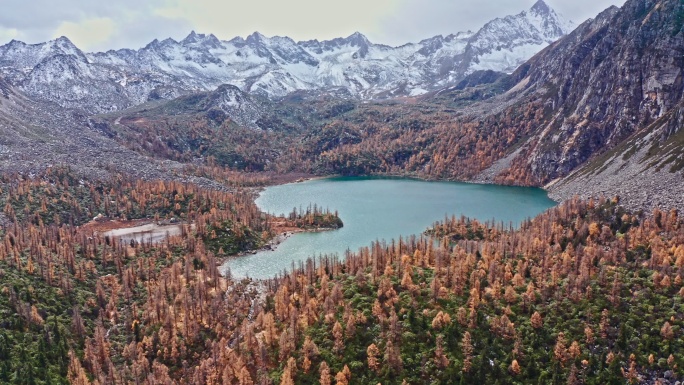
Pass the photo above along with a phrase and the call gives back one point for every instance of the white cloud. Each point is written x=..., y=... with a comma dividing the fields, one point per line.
x=100, y=24
x=8, y=34
x=581, y=11
x=299, y=19
x=87, y=34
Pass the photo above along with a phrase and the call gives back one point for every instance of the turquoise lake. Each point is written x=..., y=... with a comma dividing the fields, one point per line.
x=380, y=208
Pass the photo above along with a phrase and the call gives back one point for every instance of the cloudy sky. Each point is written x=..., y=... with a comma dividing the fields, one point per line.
x=96, y=25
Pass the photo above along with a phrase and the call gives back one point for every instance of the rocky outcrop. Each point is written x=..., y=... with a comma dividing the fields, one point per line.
x=613, y=76
x=5, y=89
x=612, y=92
x=35, y=135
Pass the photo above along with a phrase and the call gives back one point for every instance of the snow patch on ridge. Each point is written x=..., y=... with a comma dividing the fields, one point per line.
x=274, y=66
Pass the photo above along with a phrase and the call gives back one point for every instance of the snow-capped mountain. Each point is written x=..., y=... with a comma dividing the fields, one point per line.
x=58, y=71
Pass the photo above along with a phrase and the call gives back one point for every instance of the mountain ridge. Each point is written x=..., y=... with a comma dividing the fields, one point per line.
x=276, y=66
x=614, y=93
x=594, y=113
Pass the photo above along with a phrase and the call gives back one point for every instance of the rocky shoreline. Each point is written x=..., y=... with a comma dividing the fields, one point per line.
x=639, y=187
x=273, y=244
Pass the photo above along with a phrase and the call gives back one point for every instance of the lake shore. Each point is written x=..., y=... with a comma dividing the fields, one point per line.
x=279, y=238
x=374, y=209
x=482, y=179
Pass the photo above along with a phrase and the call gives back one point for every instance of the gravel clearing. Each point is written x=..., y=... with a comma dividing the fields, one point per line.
x=637, y=186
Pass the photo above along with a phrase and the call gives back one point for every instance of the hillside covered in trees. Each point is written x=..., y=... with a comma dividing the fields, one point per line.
x=589, y=292
x=62, y=276
x=325, y=136
x=586, y=293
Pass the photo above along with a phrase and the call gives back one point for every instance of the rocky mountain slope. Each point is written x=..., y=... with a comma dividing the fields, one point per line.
x=36, y=135
x=60, y=72
x=599, y=111
x=613, y=93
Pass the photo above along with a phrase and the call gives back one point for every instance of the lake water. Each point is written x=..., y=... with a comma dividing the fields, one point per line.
x=380, y=208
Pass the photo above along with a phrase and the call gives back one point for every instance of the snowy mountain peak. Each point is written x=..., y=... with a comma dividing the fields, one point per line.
x=463, y=35
x=24, y=57
x=237, y=41
x=541, y=8
x=168, y=42
x=64, y=41
x=62, y=45
x=194, y=38
x=273, y=66
x=256, y=37
x=358, y=39
x=160, y=46
x=152, y=44
x=550, y=19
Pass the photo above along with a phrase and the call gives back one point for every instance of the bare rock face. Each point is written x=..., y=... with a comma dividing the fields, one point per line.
x=612, y=77
x=613, y=94
x=5, y=89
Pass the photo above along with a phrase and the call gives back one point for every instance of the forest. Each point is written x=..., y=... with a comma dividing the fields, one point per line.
x=586, y=293
x=423, y=139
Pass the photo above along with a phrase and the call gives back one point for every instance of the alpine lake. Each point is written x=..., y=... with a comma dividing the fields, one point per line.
x=377, y=209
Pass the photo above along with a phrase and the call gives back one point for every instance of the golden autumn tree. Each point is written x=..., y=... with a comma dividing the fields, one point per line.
x=338, y=336
x=343, y=377
x=666, y=331
x=77, y=374
x=536, y=320
x=441, y=360
x=373, y=352
x=514, y=368
x=467, y=350
x=324, y=370
x=560, y=352
x=574, y=350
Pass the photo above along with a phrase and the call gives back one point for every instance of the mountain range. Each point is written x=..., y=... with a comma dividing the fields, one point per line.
x=589, y=292
x=58, y=71
x=598, y=111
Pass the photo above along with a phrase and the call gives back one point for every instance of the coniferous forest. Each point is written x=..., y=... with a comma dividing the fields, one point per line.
x=129, y=179
x=586, y=293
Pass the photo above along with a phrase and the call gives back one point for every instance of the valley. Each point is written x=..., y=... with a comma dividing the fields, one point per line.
x=148, y=236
